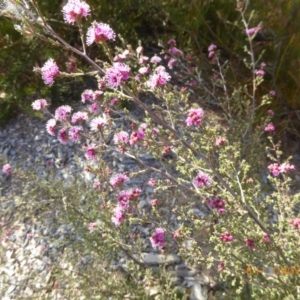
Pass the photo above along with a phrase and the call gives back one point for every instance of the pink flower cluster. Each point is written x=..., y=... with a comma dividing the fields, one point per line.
x=254, y=30
x=63, y=112
x=157, y=239
x=226, y=237
x=220, y=141
x=136, y=136
x=158, y=78
x=91, y=152
x=155, y=59
x=6, y=169
x=92, y=226
x=74, y=133
x=122, y=56
x=39, y=104
x=97, y=123
x=63, y=136
x=194, y=117
x=99, y=32
x=118, y=215
x=123, y=205
x=260, y=73
x=118, y=180
x=276, y=169
x=121, y=137
x=117, y=74
x=250, y=243
x=266, y=238
x=90, y=95
x=74, y=10
x=201, y=180
x=212, y=51
x=295, y=223
x=218, y=204
x=79, y=117
x=51, y=126
x=270, y=127
x=49, y=71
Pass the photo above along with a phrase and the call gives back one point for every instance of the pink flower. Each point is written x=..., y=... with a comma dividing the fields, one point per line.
x=141, y=134
x=94, y=107
x=114, y=101
x=74, y=10
x=71, y=66
x=92, y=226
x=254, y=30
x=157, y=238
x=143, y=126
x=97, y=123
x=220, y=141
x=51, y=126
x=39, y=104
x=63, y=112
x=116, y=74
x=270, y=112
x=123, y=199
x=133, y=138
x=226, y=237
x=6, y=169
x=285, y=167
x=260, y=73
x=121, y=138
x=87, y=95
x=154, y=202
x=118, y=216
x=63, y=136
x=155, y=59
x=135, y=193
x=144, y=70
x=159, y=78
x=99, y=32
x=221, y=266
x=49, y=71
x=211, y=54
x=218, y=204
x=118, y=180
x=152, y=182
x=91, y=153
x=96, y=185
x=212, y=47
x=30, y=235
x=270, y=127
x=250, y=243
x=79, y=117
x=139, y=50
x=171, y=42
x=171, y=63
x=74, y=133
x=175, y=51
x=274, y=169
x=295, y=223
x=96, y=95
x=272, y=93
x=143, y=59
x=201, y=180
x=266, y=238
x=154, y=131
x=194, y=117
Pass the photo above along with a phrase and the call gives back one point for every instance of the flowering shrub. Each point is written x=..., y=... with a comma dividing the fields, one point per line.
x=209, y=179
